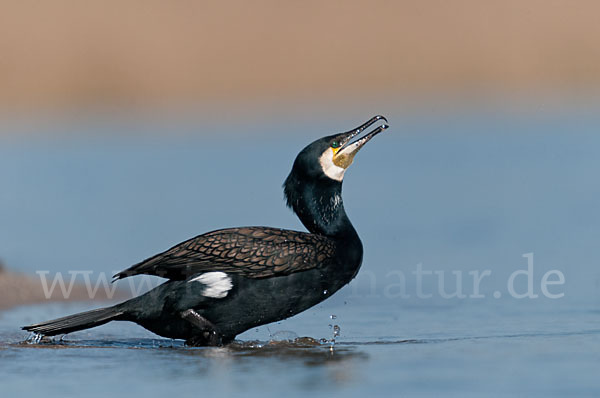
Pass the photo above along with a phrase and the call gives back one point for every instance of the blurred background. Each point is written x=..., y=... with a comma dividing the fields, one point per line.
x=127, y=126
x=67, y=56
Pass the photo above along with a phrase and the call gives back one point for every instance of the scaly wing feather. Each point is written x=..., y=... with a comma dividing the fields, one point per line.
x=255, y=252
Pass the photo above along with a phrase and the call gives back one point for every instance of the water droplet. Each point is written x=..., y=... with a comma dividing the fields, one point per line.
x=325, y=291
x=332, y=316
x=336, y=331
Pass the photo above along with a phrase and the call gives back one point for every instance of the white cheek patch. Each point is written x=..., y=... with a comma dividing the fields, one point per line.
x=217, y=284
x=330, y=169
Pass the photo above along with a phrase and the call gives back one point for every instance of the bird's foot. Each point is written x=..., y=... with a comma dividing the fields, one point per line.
x=208, y=334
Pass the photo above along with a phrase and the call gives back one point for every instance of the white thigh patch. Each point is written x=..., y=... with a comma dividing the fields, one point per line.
x=217, y=284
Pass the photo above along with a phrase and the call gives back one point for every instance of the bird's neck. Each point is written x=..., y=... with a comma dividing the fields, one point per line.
x=320, y=207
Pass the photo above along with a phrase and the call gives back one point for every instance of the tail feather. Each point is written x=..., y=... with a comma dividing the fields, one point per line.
x=73, y=323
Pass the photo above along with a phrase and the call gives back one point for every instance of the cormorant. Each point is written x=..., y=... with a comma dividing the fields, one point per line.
x=225, y=282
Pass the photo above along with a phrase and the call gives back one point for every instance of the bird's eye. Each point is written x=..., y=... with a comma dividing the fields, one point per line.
x=335, y=144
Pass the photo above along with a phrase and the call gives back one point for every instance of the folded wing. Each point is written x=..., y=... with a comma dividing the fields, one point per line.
x=255, y=252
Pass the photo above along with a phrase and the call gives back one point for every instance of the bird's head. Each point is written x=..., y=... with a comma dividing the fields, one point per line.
x=314, y=186
x=330, y=156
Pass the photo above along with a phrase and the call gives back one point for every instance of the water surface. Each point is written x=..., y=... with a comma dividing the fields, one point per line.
x=462, y=193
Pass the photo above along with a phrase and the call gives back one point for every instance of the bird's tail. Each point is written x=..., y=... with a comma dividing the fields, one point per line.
x=73, y=323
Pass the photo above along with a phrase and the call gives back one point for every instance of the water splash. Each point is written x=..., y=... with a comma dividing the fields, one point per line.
x=284, y=335
x=336, y=330
x=34, y=338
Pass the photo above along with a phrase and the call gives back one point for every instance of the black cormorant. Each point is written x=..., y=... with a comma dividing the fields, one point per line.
x=225, y=282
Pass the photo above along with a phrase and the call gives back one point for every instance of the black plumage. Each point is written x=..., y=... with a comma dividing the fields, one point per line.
x=227, y=281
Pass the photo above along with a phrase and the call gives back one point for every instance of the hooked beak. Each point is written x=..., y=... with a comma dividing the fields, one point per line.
x=344, y=156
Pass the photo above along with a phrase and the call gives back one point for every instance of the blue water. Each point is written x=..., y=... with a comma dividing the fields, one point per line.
x=451, y=195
